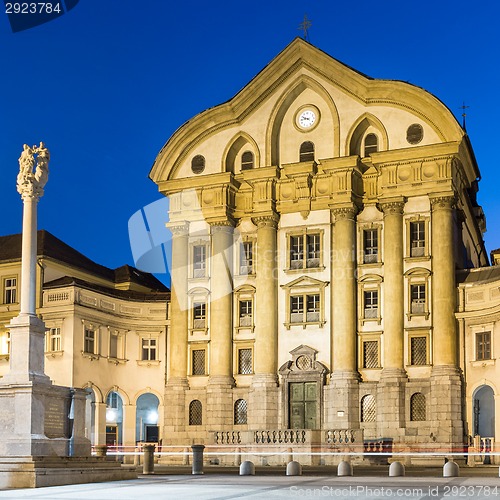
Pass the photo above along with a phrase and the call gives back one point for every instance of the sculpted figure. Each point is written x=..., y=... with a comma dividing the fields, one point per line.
x=42, y=165
x=29, y=182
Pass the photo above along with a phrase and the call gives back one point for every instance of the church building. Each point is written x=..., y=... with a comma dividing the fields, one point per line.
x=320, y=219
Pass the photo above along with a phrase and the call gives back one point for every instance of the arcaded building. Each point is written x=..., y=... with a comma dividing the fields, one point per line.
x=319, y=218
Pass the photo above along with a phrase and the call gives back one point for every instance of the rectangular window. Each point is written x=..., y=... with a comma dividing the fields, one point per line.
x=370, y=246
x=246, y=258
x=305, y=251
x=198, y=362
x=245, y=313
x=417, y=239
x=53, y=340
x=199, y=261
x=417, y=299
x=113, y=345
x=245, y=361
x=10, y=291
x=89, y=341
x=199, y=315
x=312, y=308
x=370, y=354
x=296, y=309
x=418, y=350
x=483, y=345
x=149, y=347
x=371, y=303
x=313, y=250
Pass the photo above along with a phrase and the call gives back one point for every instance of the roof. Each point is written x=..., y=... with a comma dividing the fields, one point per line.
x=158, y=296
x=49, y=246
x=479, y=275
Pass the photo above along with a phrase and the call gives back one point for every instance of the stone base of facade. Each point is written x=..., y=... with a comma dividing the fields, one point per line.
x=391, y=404
x=341, y=401
x=36, y=472
x=264, y=403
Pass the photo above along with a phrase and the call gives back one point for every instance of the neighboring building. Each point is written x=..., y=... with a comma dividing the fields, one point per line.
x=318, y=219
x=106, y=331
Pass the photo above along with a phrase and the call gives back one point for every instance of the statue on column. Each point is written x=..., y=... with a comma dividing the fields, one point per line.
x=33, y=172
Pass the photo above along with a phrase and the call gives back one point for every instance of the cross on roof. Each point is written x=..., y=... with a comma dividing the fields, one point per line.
x=304, y=26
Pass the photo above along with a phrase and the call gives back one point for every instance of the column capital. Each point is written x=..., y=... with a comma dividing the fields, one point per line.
x=443, y=201
x=266, y=221
x=221, y=226
x=346, y=212
x=179, y=228
x=394, y=206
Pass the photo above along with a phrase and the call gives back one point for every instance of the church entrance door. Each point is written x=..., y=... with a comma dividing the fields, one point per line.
x=303, y=405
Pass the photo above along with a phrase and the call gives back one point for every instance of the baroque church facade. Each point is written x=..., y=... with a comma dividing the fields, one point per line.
x=319, y=218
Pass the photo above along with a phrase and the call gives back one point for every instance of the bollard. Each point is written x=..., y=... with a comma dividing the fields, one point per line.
x=149, y=459
x=451, y=469
x=197, y=458
x=294, y=468
x=344, y=469
x=396, y=469
x=101, y=450
x=247, y=468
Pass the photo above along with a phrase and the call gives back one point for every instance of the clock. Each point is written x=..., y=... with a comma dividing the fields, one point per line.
x=307, y=118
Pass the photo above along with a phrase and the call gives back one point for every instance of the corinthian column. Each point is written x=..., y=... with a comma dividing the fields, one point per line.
x=393, y=288
x=263, y=409
x=178, y=342
x=344, y=293
x=342, y=406
x=221, y=295
x=446, y=380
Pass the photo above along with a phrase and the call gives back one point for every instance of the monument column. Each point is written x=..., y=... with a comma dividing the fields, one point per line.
x=391, y=388
x=220, y=412
x=446, y=380
x=264, y=395
x=343, y=389
x=177, y=348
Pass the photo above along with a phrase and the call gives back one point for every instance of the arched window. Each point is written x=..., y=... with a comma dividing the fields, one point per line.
x=195, y=413
x=247, y=160
x=198, y=164
x=307, y=151
x=417, y=407
x=371, y=144
x=240, y=412
x=368, y=409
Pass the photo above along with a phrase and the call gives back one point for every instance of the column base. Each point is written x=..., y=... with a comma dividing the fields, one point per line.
x=391, y=404
x=393, y=375
x=221, y=381
x=264, y=402
x=342, y=401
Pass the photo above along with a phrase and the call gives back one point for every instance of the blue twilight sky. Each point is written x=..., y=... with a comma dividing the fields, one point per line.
x=106, y=84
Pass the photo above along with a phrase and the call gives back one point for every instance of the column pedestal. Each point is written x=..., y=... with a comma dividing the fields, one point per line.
x=342, y=401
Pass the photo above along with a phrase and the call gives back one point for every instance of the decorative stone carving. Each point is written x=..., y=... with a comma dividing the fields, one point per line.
x=345, y=212
x=443, y=202
x=266, y=220
x=179, y=229
x=221, y=226
x=31, y=183
x=392, y=207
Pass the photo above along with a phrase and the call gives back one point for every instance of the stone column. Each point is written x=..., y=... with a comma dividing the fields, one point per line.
x=100, y=424
x=219, y=391
x=446, y=379
x=263, y=408
x=177, y=349
x=129, y=427
x=391, y=388
x=342, y=393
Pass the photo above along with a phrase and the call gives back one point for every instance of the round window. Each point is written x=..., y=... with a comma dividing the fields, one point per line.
x=415, y=133
x=198, y=164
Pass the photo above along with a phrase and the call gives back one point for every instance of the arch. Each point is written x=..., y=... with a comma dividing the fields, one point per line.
x=365, y=123
x=148, y=390
x=99, y=396
x=483, y=411
x=240, y=412
x=418, y=410
x=121, y=392
x=368, y=408
x=288, y=96
x=195, y=412
x=146, y=418
x=235, y=145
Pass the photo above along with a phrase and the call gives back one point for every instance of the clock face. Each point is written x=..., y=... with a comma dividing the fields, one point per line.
x=307, y=118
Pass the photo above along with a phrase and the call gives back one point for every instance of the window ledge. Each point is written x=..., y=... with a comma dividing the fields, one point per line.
x=194, y=331
x=53, y=354
x=248, y=328
x=116, y=361
x=304, y=325
x=370, y=264
x=304, y=269
x=250, y=275
x=150, y=362
x=90, y=355
x=378, y=319
x=418, y=315
x=192, y=279
x=480, y=363
x=4, y=357
x=422, y=258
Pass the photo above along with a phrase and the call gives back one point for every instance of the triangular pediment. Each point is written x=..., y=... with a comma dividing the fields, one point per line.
x=306, y=282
